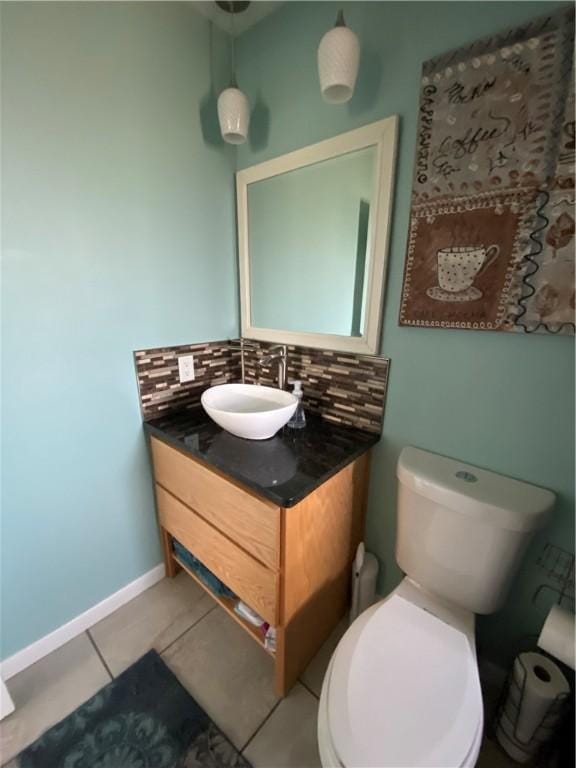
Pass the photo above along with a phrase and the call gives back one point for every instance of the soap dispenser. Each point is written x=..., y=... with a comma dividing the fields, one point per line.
x=298, y=419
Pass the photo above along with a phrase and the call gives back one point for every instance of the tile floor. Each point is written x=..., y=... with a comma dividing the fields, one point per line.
x=221, y=666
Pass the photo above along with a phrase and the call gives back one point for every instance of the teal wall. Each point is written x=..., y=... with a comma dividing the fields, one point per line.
x=118, y=233
x=498, y=400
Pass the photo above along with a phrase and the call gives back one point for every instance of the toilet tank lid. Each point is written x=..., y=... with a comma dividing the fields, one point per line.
x=498, y=500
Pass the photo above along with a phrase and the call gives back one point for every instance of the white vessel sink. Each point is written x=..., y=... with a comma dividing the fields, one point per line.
x=249, y=410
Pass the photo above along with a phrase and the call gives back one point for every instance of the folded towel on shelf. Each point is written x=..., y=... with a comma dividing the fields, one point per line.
x=199, y=569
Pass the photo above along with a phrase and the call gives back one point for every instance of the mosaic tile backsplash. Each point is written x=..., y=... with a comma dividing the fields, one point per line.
x=341, y=387
x=159, y=385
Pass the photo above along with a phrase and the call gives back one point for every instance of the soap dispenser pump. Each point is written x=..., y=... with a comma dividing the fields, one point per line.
x=298, y=419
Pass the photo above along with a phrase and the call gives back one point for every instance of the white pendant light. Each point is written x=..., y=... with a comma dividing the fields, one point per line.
x=233, y=107
x=338, y=59
x=233, y=115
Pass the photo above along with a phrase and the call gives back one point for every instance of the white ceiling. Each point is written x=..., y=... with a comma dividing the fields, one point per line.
x=242, y=21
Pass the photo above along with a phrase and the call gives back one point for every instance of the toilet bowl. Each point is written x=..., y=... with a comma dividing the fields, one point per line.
x=402, y=689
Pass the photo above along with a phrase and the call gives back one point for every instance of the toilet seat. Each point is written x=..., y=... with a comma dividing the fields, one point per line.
x=403, y=690
x=330, y=759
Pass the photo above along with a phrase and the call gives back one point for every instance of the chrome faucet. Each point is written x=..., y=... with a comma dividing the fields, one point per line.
x=277, y=353
x=243, y=345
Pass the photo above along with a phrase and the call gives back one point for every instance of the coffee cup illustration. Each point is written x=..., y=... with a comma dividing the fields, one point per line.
x=458, y=267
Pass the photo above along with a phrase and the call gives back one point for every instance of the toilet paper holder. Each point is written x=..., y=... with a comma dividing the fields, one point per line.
x=509, y=710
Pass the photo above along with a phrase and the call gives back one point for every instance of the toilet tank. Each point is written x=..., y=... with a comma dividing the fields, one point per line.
x=462, y=530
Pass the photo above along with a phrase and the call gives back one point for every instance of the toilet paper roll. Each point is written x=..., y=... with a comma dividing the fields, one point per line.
x=558, y=635
x=542, y=683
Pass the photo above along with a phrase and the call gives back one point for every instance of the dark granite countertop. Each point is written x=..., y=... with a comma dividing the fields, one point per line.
x=284, y=469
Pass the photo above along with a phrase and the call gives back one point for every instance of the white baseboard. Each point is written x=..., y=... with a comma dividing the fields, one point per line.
x=6, y=703
x=45, y=645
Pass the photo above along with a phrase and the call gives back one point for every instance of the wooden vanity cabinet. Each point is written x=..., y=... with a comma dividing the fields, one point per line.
x=291, y=565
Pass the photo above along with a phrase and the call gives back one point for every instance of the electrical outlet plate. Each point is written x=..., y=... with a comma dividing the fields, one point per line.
x=186, y=368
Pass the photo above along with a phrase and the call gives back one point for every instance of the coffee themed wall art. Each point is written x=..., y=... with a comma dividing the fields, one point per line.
x=491, y=238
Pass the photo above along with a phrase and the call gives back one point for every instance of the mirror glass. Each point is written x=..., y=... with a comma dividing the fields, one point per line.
x=308, y=241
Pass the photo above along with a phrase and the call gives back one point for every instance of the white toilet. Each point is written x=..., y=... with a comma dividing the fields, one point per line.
x=402, y=688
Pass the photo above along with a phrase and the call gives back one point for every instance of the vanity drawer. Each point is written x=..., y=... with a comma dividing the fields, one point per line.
x=250, y=521
x=249, y=579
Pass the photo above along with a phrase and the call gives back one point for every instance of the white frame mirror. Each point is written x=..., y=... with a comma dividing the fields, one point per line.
x=382, y=135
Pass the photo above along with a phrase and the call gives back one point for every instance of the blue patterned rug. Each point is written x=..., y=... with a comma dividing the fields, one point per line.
x=143, y=719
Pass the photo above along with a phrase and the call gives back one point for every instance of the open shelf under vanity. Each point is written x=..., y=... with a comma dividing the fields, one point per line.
x=227, y=604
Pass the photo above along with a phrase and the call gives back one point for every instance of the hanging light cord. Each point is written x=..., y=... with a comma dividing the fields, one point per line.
x=233, y=47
